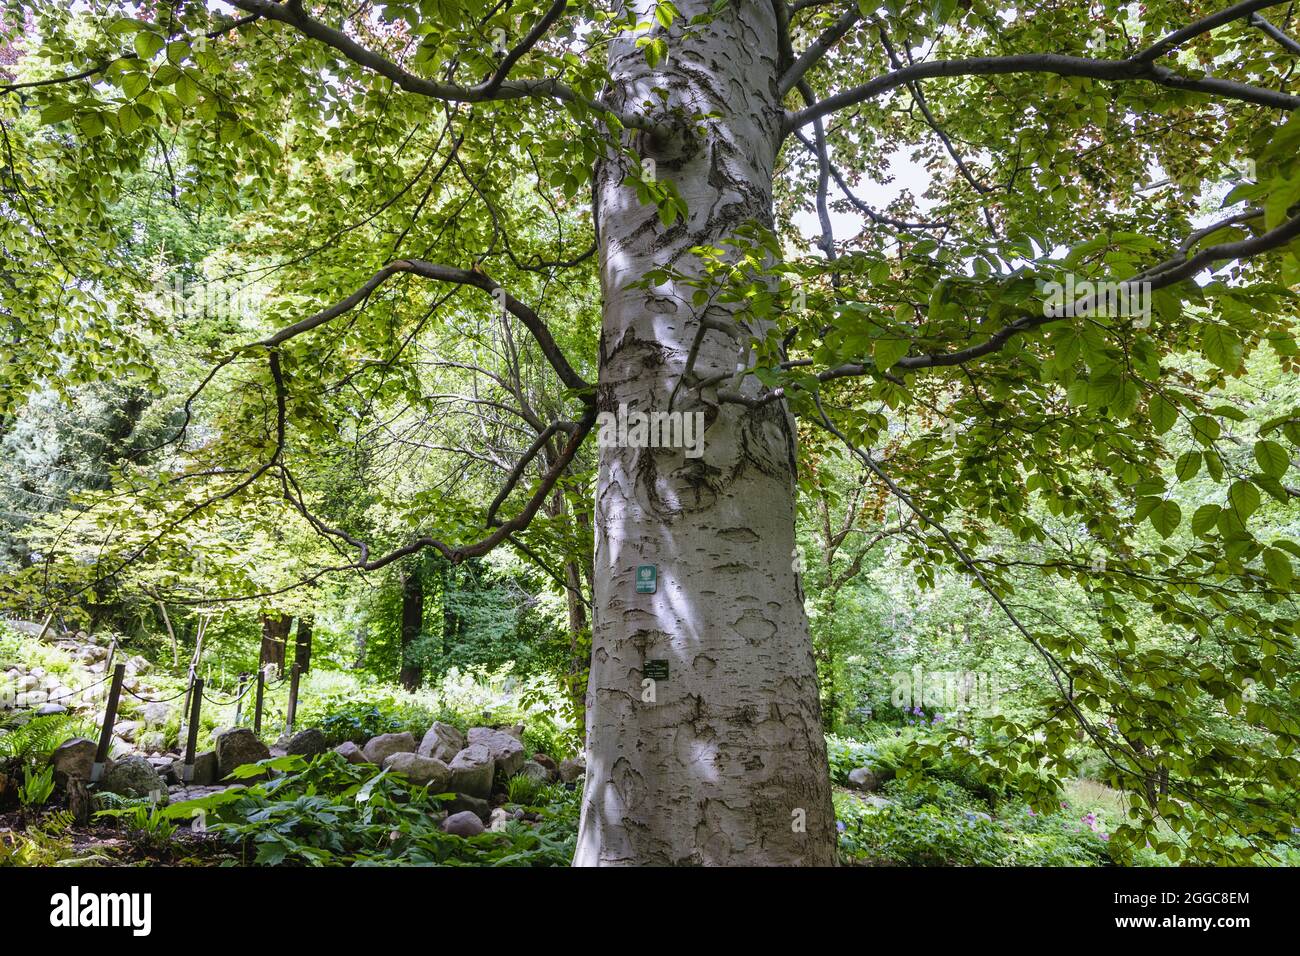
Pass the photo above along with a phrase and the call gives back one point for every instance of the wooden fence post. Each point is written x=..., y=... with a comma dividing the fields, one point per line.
x=192, y=738
x=293, y=699
x=257, y=710
x=239, y=697
x=110, y=716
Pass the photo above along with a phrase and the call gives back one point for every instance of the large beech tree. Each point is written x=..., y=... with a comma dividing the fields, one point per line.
x=455, y=162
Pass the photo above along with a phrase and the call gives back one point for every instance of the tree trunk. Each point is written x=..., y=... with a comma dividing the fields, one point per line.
x=275, y=635
x=302, y=648
x=724, y=761
x=412, y=624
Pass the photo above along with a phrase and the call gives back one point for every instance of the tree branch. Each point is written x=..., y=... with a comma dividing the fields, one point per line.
x=1204, y=25
x=818, y=49
x=492, y=83
x=491, y=89
x=1057, y=63
x=429, y=270
x=1287, y=42
x=1167, y=273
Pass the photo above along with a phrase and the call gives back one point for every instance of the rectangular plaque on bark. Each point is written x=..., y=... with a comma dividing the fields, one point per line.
x=646, y=575
x=655, y=670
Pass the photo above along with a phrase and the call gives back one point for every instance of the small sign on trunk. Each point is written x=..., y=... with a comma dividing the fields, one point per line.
x=646, y=576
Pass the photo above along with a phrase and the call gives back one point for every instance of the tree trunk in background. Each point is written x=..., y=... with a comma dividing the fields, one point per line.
x=727, y=763
x=450, y=619
x=302, y=648
x=579, y=638
x=275, y=635
x=412, y=624
x=360, y=637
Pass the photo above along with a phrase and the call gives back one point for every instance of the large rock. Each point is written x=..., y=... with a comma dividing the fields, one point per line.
x=442, y=741
x=351, y=752
x=419, y=770
x=134, y=777
x=546, y=762
x=377, y=749
x=463, y=801
x=506, y=749
x=238, y=747
x=463, y=824
x=307, y=743
x=571, y=768
x=865, y=779
x=534, y=771
x=472, y=770
x=157, y=713
x=206, y=768
x=72, y=760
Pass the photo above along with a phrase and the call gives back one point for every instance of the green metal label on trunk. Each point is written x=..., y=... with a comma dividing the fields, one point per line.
x=655, y=670
x=646, y=575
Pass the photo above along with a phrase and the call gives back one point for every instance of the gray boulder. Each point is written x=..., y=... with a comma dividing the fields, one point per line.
x=383, y=746
x=505, y=748
x=351, y=752
x=421, y=771
x=865, y=779
x=238, y=747
x=442, y=741
x=72, y=760
x=498, y=820
x=206, y=767
x=551, y=766
x=463, y=824
x=157, y=713
x=134, y=777
x=571, y=768
x=534, y=771
x=480, y=808
x=306, y=743
x=472, y=770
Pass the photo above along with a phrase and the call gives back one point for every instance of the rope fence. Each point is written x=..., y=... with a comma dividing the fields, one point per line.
x=195, y=696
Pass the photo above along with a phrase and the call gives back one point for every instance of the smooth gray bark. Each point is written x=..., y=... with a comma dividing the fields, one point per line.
x=726, y=764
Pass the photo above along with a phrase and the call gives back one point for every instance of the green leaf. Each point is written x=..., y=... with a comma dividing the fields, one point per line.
x=1166, y=517
x=887, y=351
x=57, y=112
x=1163, y=414
x=1244, y=497
x=1278, y=566
x=1188, y=466
x=187, y=91
x=1272, y=458
x=1204, y=519
x=1221, y=346
x=147, y=44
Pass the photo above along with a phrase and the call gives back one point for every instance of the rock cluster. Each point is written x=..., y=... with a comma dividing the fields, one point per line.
x=80, y=688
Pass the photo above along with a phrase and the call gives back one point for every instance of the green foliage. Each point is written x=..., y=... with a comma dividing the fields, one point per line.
x=147, y=823
x=360, y=721
x=37, y=787
x=327, y=812
x=522, y=790
x=542, y=733
x=34, y=740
